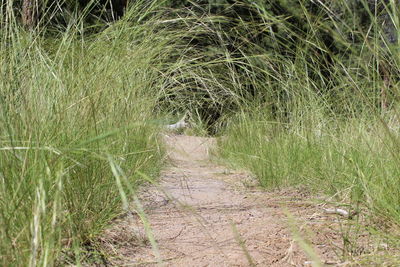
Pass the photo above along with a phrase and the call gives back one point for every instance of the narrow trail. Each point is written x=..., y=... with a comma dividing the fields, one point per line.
x=203, y=214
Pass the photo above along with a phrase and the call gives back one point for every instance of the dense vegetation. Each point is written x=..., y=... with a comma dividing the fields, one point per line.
x=75, y=135
x=306, y=93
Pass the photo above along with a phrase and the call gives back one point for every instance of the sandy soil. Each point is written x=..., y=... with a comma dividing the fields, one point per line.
x=203, y=214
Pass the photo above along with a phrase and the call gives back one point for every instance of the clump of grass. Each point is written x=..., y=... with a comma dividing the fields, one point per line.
x=354, y=161
x=68, y=102
x=329, y=128
x=349, y=159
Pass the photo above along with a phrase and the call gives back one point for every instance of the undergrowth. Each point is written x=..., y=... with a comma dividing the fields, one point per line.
x=72, y=106
x=331, y=129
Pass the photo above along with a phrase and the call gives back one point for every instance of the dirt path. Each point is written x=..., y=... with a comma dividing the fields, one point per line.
x=201, y=214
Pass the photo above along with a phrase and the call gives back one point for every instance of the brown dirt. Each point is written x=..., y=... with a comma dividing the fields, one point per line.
x=203, y=214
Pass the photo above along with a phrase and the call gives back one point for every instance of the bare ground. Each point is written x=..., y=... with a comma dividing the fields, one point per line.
x=203, y=214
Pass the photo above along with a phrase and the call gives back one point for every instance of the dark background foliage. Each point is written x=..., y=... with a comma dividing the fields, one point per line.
x=327, y=32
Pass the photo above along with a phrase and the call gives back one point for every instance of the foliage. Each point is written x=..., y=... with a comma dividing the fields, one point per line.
x=242, y=42
x=69, y=107
x=320, y=125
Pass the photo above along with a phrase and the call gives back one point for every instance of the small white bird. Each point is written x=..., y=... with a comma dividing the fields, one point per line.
x=181, y=124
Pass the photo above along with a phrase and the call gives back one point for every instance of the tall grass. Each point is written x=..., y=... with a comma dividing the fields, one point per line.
x=68, y=104
x=324, y=127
